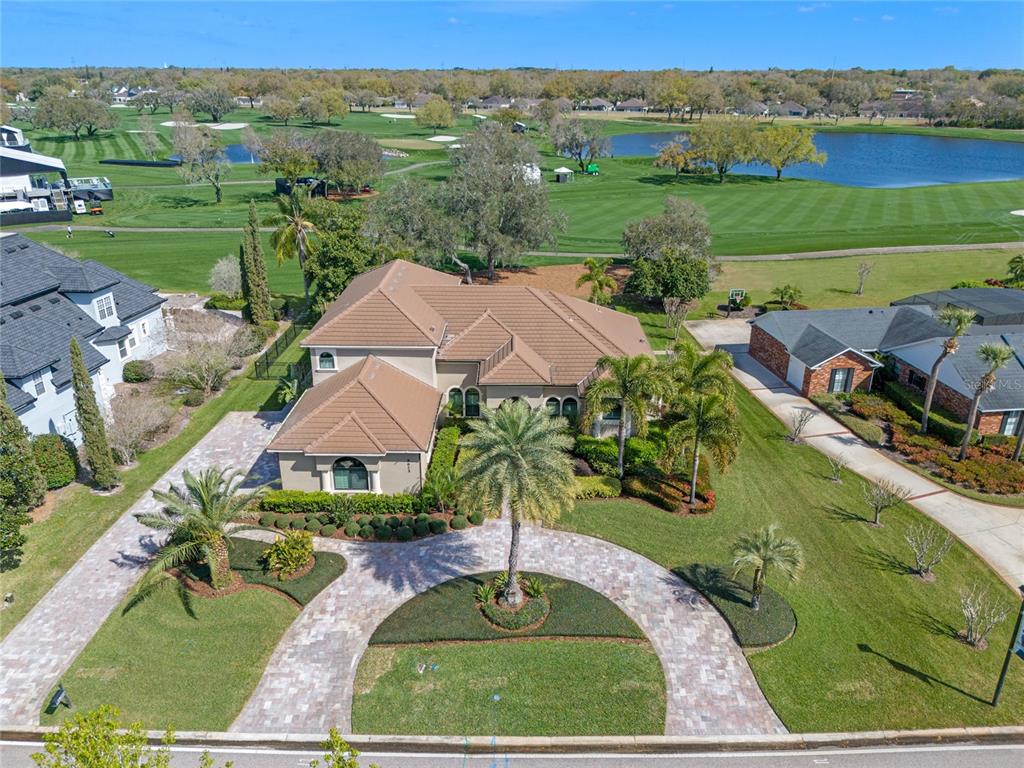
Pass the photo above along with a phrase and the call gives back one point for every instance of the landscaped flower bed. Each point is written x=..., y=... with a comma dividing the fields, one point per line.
x=372, y=527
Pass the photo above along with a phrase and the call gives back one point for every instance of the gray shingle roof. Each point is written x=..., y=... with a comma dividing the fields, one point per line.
x=994, y=306
x=815, y=346
x=1008, y=393
x=17, y=398
x=113, y=333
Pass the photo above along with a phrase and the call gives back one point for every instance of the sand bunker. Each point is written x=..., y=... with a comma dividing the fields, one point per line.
x=443, y=138
x=227, y=126
x=1017, y=213
x=398, y=117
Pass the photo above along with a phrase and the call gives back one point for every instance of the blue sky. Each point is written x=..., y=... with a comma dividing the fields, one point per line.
x=596, y=35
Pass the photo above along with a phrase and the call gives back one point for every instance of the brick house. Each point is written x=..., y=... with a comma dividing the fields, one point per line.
x=820, y=351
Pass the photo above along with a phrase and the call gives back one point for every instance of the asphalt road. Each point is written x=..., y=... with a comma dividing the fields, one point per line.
x=953, y=756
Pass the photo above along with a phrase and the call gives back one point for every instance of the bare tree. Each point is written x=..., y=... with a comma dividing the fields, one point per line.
x=836, y=465
x=929, y=547
x=863, y=270
x=980, y=616
x=148, y=136
x=204, y=349
x=137, y=419
x=883, y=496
x=226, y=276
x=799, y=423
x=201, y=158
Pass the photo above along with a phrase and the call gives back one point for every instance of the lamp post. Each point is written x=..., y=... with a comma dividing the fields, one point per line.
x=1016, y=647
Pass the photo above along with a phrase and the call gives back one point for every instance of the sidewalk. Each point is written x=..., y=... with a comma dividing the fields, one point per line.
x=995, y=533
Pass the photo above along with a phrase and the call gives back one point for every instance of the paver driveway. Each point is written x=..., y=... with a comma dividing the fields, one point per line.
x=43, y=644
x=307, y=687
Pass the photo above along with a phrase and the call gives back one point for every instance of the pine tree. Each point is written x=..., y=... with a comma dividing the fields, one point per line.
x=94, y=432
x=21, y=483
x=254, y=272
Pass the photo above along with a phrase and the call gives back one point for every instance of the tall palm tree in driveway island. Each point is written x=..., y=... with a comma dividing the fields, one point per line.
x=995, y=356
x=518, y=457
x=958, y=321
x=627, y=385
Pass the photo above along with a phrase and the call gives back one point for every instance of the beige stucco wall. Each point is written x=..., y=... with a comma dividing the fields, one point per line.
x=392, y=473
x=460, y=375
x=298, y=472
x=402, y=472
x=418, y=362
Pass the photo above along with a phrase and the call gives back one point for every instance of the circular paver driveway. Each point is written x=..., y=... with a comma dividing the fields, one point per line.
x=307, y=686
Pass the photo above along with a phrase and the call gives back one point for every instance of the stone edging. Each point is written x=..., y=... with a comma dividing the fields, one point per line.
x=568, y=744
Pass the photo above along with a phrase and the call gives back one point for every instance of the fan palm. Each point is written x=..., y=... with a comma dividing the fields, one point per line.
x=710, y=424
x=294, y=233
x=995, y=356
x=1016, y=268
x=196, y=515
x=518, y=457
x=628, y=384
x=958, y=321
x=764, y=551
x=602, y=285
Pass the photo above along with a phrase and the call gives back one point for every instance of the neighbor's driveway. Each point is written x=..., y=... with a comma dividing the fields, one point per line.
x=995, y=533
x=44, y=643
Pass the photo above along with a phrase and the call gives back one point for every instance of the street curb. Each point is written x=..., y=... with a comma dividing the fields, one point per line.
x=1003, y=735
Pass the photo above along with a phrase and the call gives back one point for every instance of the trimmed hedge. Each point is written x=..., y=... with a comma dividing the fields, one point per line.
x=352, y=528
x=329, y=530
x=225, y=301
x=598, y=487
x=446, y=445
x=136, y=371
x=530, y=613
x=438, y=525
x=477, y=518
x=338, y=508
x=939, y=424
x=602, y=453
x=56, y=458
x=459, y=522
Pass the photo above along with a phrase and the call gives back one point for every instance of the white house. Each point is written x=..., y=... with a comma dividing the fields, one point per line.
x=46, y=299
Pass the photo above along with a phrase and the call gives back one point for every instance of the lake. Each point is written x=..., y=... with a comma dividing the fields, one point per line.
x=877, y=159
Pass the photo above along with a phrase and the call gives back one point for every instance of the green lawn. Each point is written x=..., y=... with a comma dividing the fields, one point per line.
x=543, y=688
x=449, y=612
x=167, y=670
x=873, y=647
x=245, y=558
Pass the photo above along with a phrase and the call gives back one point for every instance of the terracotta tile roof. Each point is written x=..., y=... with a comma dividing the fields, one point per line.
x=515, y=363
x=380, y=308
x=481, y=339
x=368, y=408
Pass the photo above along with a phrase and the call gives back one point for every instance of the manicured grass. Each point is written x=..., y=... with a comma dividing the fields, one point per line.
x=81, y=516
x=874, y=646
x=245, y=558
x=449, y=612
x=543, y=688
x=165, y=669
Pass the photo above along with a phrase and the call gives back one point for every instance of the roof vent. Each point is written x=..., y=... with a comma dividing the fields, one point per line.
x=23, y=246
x=54, y=300
x=34, y=307
x=16, y=314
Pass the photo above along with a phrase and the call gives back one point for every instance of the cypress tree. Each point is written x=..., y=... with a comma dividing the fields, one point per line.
x=21, y=483
x=254, y=272
x=90, y=421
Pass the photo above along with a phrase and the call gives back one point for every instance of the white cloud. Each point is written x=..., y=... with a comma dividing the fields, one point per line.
x=886, y=17
x=812, y=8
x=454, y=20
x=858, y=19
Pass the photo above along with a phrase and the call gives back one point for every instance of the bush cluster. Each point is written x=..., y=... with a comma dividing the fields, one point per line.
x=339, y=508
x=57, y=459
x=940, y=425
x=987, y=468
x=194, y=398
x=835, y=406
x=598, y=487
x=289, y=554
x=446, y=445
x=225, y=301
x=136, y=371
x=670, y=494
x=534, y=611
x=602, y=453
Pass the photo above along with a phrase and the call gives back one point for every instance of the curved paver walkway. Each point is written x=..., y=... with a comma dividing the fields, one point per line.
x=44, y=643
x=307, y=687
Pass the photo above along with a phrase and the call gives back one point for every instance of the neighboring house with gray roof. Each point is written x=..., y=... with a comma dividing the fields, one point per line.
x=839, y=350
x=46, y=299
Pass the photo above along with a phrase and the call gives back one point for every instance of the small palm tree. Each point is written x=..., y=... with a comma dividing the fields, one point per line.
x=197, y=517
x=287, y=389
x=762, y=552
x=294, y=233
x=442, y=488
x=518, y=457
x=958, y=321
x=628, y=384
x=787, y=295
x=602, y=285
x=710, y=424
x=996, y=356
x=1016, y=268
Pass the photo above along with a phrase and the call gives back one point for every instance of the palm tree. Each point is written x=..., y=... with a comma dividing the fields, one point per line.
x=601, y=283
x=628, y=384
x=293, y=235
x=518, y=457
x=197, y=516
x=691, y=371
x=710, y=424
x=787, y=295
x=763, y=551
x=996, y=356
x=1016, y=268
x=958, y=321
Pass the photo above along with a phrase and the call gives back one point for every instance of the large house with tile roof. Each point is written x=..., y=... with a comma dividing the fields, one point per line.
x=405, y=345
x=46, y=299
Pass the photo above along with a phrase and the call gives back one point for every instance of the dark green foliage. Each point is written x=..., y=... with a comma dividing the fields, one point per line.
x=338, y=508
x=394, y=521
x=57, y=459
x=438, y=525
x=255, y=291
x=670, y=494
x=296, y=523
x=90, y=421
x=421, y=528
x=324, y=519
x=378, y=521
x=282, y=521
x=297, y=502
x=364, y=520
x=311, y=518
x=268, y=519
x=446, y=445
x=225, y=301
x=245, y=559
x=404, y=533
x=21, y=484
x=329, y=530
x=135, y=371
x=366, y=532
x=477, y=518
x=528, y=614
x=459, y=522
x=341, y=250
x=943, y=426
x=422, y=517
x=194, y=399
x=771, y=624
x=602, y=453
x=670, y=276
x=314, y=526
x=351, y=528
x=382, y=533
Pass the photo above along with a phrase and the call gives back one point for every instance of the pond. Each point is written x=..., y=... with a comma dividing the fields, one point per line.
x=878, y=159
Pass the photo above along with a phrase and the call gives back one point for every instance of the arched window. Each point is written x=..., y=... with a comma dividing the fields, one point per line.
x=326, y=361
x=472, y=403
x=350, y=475
x=571, y=408
x=552, y=406
x=615, y=414
x=455, y=402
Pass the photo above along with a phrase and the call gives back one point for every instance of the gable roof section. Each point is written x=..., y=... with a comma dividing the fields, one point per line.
x=815, y=347
x=368, y=408
x=515, y=363
x=1008, y=393
x=380, y=308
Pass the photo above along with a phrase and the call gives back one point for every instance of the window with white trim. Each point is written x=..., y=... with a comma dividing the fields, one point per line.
x=132, y=342
x=105, y=307
x=38, y=385
x=122, y=348
x=325, y=362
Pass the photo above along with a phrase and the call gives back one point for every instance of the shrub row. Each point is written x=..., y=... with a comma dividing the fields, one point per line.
x=446, y=445
x=986, y=468
x=378, y=526
x=531, y=613
x=602, y=453
x=668, y=493
x=56, y=458
x=940, y=425
x=872, y=434
x=225, y=301
x=598, y=487
x=339, y=507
